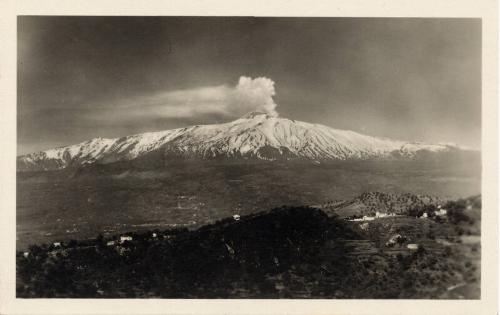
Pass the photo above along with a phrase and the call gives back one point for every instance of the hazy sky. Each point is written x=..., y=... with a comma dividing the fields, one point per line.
x=85, y=77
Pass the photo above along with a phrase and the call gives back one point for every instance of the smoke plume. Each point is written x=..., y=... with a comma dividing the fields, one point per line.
x=225, y=101
x=256, y=95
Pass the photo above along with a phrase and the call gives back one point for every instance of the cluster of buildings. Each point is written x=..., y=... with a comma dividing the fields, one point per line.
x=437, y=213
x=378, y=215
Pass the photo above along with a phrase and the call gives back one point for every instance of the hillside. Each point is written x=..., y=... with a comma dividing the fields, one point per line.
x=288, y=252
x=369, y=203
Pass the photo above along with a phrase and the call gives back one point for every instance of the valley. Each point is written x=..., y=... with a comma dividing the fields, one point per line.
x=68, y=204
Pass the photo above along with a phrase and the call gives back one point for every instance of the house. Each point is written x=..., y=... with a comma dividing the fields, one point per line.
x=412, y=246
x=384, y=214
x=364, y=218
x=424, y=215
x=440, y=212
x=110, y=243
x=381, y=215
x=236, y=217
x=154, y=235
x=57, y=244
x=124, y=238
x=26, y=254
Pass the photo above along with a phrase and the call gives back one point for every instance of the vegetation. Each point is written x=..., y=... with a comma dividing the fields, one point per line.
x=288, y=252
x=115, y=198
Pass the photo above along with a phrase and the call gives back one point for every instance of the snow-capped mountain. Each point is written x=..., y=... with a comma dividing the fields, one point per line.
x=255, y=135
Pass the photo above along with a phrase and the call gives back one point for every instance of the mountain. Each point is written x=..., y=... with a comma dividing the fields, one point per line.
x=255, y=135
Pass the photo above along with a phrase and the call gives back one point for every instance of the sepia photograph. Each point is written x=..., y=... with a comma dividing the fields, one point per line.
x=272, y=158
x=189, y=157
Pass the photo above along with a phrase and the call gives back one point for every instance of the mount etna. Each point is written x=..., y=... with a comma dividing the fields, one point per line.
x=256, y=135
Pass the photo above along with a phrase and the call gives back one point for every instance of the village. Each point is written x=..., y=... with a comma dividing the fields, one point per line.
x=120, y=242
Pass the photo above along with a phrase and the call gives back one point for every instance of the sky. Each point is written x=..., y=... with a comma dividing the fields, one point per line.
x=86, y=77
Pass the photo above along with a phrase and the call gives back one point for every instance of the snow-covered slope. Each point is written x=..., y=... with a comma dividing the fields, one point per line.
x=255, y=135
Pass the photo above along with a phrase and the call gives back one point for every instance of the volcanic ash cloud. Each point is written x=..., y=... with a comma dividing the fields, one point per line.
x=256, y=95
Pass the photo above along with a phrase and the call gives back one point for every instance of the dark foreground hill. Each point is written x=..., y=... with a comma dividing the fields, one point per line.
x=288, y=252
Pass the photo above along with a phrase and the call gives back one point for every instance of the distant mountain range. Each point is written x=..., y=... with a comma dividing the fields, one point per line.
x=255, y=135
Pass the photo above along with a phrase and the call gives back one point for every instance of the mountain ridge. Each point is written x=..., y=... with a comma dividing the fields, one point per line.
x=255, y=135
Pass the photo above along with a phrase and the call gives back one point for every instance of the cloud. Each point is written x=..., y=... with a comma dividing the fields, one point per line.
x=223, y=100
x=256, y=94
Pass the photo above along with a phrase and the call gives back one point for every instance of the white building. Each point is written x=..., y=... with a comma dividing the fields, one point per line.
x=110, y=243
x=236, y=217
x=124, y=238
x=364, y=218
x=378, y=215
x=57, y=244
x=384, y=214
x=412, y=246
x=440, y=212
